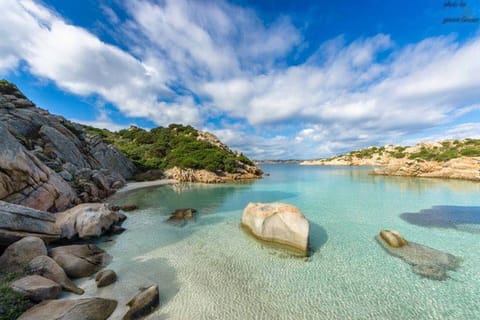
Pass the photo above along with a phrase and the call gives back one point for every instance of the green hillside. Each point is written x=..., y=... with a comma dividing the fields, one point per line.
x=173, y=146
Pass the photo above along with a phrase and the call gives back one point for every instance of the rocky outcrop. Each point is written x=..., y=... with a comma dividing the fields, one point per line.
x=425, y=261
x=79, y=309
x=459, y=168
x=17, y=222
x=86, y=220
x=17, y=256
x=37, y=288
x=204, y=176
x=49, y=163
x=48, y=268
x=81, y=260
x=445, y=159
x=105, y=278
x=143, y=303
x=277, y=222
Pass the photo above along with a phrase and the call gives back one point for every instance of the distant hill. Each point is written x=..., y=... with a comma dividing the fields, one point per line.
x=456, y=159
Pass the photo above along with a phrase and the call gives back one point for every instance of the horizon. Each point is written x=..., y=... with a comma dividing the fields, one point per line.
x=273, y=80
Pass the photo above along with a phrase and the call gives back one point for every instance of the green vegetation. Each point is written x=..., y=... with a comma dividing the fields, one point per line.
x=174, y=146
x=7, y=87
x=449, y=150
x=12, y=304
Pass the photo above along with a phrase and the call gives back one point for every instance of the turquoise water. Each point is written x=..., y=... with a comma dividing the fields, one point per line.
x=212, y=269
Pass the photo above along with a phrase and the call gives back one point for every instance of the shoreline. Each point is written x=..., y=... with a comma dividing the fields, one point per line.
x=145, y=184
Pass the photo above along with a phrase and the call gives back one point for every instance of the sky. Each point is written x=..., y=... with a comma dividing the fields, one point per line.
x=272, y=79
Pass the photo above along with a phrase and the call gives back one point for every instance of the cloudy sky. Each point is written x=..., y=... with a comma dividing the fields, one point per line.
x=273, y=79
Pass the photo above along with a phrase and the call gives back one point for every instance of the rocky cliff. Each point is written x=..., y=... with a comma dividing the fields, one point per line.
x=49, y=163
x=453, y=159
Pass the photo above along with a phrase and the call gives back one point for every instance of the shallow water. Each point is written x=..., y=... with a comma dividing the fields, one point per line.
x=212, y=269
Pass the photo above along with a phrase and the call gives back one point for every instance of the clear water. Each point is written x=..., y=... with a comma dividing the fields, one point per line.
x=212, y=269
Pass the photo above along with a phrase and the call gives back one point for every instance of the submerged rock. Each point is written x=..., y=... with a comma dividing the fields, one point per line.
x=17, y=256
x=425, y=261
x=48, y=268
x=143, y=303
x=105, y=278
x=125, y=207
x=37, y=288
x=79, y=309
x=80, y=260
x=180, y=216
x=277, y=222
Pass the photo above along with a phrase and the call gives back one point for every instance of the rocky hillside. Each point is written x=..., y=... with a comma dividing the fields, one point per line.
x=456, y=159
x=50, y=163
x=181, y=153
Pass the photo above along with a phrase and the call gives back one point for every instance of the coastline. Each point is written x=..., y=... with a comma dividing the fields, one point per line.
x=145, y=184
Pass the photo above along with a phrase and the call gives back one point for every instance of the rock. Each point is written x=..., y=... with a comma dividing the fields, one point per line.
x=35, y=145
x=180, y=216
x=105, y=278
x=25, y=180
x=125, y=207
x=393, y=238
x=117, y=230
x=143, y=303
x=86, y=220
x=17, y=222
x=37, y=288
x=78, y=309
x=277, y=222
x=17, y=256
x=204, y=176
x=425, y=261
x=80, y=260
x=48, y=268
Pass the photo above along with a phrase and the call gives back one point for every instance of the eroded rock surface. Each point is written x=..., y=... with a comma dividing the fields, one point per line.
x=48, y=268
x=86, y=220
x=78, y=309
x=80, y=260
x=17, y=222
x=277, y=222
x=105, y=278
x=17, y=256
x=37, y=288
x=143, y=303
x=49, y=163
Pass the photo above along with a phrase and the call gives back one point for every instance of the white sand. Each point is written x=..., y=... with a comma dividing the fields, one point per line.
x=138, y=185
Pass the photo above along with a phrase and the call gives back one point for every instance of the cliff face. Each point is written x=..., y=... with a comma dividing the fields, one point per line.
x=453, y=159
x=50, y=163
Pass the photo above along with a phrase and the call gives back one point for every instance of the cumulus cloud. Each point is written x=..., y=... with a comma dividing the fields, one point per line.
x=196, y=61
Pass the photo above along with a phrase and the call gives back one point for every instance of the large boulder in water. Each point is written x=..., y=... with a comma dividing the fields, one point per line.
x=143, y=303
x=17, y=256
x=86, y=220
x=425, y=261
x=37, y=288
x=80, y=260
x=277, y=222
x=48, y=268
x=79, y=309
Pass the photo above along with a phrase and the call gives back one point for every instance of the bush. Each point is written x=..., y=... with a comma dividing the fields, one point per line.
x=12, y=304
x=176, y=145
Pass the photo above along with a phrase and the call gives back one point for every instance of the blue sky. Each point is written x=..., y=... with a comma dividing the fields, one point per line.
x=273, y=79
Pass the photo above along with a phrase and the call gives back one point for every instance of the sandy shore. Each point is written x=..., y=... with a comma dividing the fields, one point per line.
x=138, y=185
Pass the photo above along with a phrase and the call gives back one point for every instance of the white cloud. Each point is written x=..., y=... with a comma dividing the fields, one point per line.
x=187, y=61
